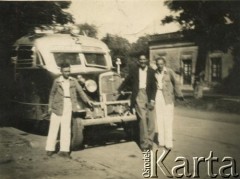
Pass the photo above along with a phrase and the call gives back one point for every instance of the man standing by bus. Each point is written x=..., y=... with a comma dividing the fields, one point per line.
x=167, y=89
x=142, y=83
x=62, y=102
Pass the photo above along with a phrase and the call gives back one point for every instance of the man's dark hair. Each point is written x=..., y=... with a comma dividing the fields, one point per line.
x=144, y=54
x=64, y=65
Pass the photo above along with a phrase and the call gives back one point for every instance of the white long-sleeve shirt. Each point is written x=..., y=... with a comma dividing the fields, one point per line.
x=66, y=86
x=143, y=78
x=159, y=77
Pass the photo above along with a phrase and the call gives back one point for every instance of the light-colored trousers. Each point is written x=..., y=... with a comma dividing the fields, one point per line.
x=145, y=119
x=64, y=122
x=164, y=120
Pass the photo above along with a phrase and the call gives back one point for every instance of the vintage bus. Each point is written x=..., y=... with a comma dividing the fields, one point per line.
x=36, y=59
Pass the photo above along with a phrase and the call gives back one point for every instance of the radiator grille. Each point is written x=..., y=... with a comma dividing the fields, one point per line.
x=109, y=86
x=110, y=83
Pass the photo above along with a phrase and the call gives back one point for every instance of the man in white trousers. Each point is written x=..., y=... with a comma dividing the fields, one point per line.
x=62, y=102
x=167, y=89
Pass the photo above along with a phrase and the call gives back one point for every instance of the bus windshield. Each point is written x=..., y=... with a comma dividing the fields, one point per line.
x=95, y=59
x=64, y=57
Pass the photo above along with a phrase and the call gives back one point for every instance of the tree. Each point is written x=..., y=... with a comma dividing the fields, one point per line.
x=212, y=25
x=88, y=29
x=231, y=84
x=140, y=47
x=19, y=18
x=119, y=47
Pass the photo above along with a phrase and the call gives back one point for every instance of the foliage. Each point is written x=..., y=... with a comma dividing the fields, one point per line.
x=88, y=29
x=213, y=25
x=119, y=47
x=19, y=18
x=231, y=84
x=140, y=47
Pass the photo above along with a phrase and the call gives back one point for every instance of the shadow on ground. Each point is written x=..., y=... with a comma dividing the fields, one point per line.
x=212, y=103
x=94, y=136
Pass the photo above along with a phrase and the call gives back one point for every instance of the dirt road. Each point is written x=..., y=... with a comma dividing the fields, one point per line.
x=196, y=133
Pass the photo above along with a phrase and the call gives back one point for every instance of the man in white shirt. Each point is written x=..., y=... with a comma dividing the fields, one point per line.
x=142, y=83
x=167, y=89
x=62, y=102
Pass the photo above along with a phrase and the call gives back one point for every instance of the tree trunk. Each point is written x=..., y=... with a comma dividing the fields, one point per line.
x=200, y=71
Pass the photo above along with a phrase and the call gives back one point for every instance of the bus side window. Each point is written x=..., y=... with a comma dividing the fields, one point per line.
x=13, y=54
x=39, y=59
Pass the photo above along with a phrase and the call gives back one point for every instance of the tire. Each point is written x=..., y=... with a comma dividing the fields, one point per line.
x=132, y=131
x=43, y=127
x=77, y=134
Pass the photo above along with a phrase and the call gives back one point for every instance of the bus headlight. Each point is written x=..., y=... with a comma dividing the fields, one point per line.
x=91, y=86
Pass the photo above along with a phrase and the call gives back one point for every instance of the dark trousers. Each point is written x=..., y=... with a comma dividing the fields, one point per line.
x=145, y=119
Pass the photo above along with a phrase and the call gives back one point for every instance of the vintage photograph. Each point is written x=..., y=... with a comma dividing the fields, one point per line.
x=124, y=89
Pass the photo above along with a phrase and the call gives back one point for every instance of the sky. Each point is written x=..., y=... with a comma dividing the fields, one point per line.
x=127, y=18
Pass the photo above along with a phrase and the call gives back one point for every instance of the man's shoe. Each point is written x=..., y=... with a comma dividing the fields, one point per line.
x=150, y=146
x=168, y=148
x=50, y=153
x=144, y=149
x=65, y=155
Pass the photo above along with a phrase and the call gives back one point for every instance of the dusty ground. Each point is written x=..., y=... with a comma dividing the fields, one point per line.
x=196, y=133
x=22, y=155
x=212, y=102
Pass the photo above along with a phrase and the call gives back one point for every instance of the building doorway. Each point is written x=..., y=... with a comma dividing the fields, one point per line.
x=187, y=71
x=216, y=69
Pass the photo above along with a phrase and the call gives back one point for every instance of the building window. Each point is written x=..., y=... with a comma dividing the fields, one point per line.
x=216, y=69
x=187, y=71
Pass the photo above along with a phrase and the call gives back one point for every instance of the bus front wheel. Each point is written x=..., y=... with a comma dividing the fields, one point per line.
x=77, y=134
